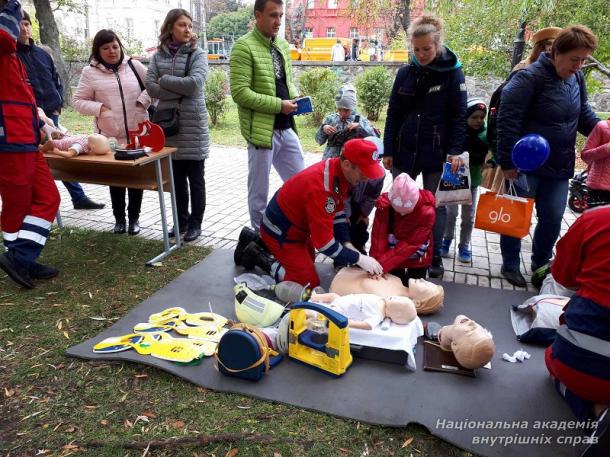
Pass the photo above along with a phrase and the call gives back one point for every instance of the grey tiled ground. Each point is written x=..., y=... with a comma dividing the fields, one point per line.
x=227, y=211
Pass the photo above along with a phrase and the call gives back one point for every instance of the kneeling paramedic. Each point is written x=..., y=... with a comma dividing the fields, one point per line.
x=306, y=214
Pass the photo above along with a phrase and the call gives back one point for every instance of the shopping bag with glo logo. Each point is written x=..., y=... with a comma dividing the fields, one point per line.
x=505, y=214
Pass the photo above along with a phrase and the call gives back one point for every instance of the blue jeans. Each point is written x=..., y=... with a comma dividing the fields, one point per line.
x=74, y=188
x=551, y=196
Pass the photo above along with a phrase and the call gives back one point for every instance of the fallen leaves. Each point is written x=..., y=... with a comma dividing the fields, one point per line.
x=232, y=452
x=176, y=423
x=141, y=418
x=407, y=442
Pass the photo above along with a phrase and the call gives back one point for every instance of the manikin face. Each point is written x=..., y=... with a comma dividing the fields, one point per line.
x=111, y=52
x=269, y=20
x=420, y=289
x=182, y=30
x=25, y=32
x=569, y=63
x=476, y=119
x=472, y=345
x=463, y=331
x=424, y=48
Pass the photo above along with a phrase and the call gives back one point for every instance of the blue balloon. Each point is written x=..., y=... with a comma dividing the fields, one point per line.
x=531, y=152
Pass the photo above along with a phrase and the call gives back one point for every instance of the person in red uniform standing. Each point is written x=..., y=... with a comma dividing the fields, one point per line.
x=29, y=196
x=579, y=358
x=306, y=214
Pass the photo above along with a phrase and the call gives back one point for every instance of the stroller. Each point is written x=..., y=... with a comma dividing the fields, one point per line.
x=578, y=193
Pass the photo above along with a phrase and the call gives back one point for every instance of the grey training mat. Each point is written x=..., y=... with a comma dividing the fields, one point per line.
x=512, y=407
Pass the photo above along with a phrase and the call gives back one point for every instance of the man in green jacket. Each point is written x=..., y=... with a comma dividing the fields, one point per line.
x=262, y=88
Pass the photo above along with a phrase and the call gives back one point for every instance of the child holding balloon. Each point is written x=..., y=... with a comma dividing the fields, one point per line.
x=596, y=155
x=477, y=147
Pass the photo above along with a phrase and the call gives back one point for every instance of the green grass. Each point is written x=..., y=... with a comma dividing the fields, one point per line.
x=55, y=405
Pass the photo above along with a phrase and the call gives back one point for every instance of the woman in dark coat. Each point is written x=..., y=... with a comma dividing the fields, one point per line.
x=426, y=118
x=548, y=98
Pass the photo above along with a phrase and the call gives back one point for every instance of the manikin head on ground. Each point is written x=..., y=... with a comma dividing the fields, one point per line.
x=472, y=345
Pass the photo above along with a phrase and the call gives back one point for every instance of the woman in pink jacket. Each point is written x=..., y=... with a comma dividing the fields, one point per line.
x=596, y=154
x=110, y=90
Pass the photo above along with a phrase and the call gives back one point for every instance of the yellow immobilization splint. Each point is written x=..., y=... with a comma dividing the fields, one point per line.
x=159, y=345
x=202, y=326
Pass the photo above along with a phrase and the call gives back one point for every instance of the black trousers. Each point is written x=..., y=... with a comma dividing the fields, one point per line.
x=117, y=196
x=189, y=174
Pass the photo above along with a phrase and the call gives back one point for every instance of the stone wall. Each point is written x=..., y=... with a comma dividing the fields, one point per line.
x=478, y=86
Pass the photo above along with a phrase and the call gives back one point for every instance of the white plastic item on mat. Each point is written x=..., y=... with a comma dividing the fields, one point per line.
x=454, y=188
x=518, y=356
x=255, y=282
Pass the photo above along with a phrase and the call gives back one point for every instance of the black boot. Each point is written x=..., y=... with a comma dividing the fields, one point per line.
x=255, y=256
x=15, y=270
x=246, y=236
x=134, y=227
x=40, y=271
x=436, y=269
x=119, y=227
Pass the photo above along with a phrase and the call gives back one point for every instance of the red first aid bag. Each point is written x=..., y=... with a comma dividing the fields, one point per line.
x=504, y=214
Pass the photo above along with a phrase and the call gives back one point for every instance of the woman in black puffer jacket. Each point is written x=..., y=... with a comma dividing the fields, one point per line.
x=427, y=116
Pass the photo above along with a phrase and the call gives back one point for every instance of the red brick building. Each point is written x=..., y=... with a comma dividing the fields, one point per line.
x=332, y=18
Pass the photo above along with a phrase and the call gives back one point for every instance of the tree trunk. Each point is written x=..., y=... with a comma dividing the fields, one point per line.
x=49, y=35
x=404, y=13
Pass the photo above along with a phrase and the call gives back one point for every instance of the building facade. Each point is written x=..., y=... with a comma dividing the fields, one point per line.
x=334, y=18
x=132, y=19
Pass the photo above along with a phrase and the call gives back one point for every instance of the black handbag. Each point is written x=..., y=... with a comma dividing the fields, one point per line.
x=169, y=119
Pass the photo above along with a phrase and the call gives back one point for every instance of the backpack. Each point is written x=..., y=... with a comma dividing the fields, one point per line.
x=492, y=114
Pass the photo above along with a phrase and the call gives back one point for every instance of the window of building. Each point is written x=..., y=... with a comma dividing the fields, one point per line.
x=310, y=4
x=353, y=32
x=332, y=4
x=308, y=32
x=129, y=27
x=330, y=32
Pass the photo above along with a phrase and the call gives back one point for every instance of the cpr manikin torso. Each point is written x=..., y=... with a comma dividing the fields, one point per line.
x=427, y=297
x=471, y=344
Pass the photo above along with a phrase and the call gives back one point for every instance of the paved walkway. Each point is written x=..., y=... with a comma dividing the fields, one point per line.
x=227, y=212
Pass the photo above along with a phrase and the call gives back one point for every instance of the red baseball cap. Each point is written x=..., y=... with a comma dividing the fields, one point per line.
x=365, y=156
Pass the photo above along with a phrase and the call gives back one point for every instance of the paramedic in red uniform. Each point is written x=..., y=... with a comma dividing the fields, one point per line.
x=29, y=196
x=579, y=358
x=306, y=213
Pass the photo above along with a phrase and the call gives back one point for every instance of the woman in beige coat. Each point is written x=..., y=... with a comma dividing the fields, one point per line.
x=109, y=90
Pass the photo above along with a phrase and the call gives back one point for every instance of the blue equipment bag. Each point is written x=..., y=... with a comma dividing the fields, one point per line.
x=243, y=352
